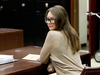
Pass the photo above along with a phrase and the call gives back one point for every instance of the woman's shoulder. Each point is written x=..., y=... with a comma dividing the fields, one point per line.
x=55, y=34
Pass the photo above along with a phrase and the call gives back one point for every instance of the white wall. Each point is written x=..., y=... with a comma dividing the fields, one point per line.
x=87, y=5
x=83, y=21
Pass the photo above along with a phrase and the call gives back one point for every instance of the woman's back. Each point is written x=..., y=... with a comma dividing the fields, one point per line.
x=62, y=57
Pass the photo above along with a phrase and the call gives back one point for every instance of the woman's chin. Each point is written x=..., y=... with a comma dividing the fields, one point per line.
x=51, y=29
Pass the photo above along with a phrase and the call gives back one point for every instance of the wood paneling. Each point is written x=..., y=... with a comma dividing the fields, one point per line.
x=10, y=38
x=92, y=28
x=74, y=15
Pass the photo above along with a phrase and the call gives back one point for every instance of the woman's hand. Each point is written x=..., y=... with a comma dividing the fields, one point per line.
x=50, y=70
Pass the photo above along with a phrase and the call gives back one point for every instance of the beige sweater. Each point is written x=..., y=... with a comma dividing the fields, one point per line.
x=60, y=54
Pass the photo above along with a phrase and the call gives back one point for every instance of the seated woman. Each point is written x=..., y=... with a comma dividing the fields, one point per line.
x=62, y=44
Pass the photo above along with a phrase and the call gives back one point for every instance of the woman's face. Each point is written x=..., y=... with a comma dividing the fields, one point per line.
x=51, y=21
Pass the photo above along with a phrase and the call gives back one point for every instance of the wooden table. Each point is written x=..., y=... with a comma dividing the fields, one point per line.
x=25, y=67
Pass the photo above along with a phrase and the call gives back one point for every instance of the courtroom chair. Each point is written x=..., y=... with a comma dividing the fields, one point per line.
x=91, y=71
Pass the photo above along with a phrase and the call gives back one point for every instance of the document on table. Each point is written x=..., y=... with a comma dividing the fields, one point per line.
x=32, y=57
x=6, y=59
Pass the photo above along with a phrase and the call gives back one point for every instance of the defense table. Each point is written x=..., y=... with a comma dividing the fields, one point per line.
x=27, y=67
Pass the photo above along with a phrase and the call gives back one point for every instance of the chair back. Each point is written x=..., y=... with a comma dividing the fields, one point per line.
x=91, y=71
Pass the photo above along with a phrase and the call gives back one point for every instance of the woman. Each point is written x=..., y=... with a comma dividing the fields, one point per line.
x=62, y=45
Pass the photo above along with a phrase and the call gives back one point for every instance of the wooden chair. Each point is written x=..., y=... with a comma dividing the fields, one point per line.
x=91, y=71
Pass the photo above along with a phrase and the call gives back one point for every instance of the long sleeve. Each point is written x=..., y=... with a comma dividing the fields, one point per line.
x=57, y=53
x=49, y=45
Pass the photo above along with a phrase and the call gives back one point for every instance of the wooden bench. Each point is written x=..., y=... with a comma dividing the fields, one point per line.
x=10, y=38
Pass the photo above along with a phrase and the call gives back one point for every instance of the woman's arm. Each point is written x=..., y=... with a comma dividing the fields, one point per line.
x=47, y=47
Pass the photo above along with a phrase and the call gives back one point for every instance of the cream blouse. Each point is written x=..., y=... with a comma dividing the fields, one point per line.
x=56, y=50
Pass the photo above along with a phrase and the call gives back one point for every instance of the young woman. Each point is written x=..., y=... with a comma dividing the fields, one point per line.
x=62, y=45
